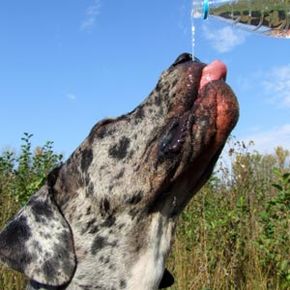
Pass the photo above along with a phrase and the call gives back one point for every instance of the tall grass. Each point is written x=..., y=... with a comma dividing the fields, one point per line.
x=234, y=234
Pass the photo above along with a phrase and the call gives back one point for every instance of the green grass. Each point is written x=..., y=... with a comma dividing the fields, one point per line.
x=234, y=234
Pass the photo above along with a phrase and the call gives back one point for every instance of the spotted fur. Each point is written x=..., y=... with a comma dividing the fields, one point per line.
x=105, y=219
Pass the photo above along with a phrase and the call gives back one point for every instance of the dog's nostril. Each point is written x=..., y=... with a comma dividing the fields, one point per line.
x=184, y=57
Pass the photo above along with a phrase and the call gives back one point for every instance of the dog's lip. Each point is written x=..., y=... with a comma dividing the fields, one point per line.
x=212, y=115
x=200, y=86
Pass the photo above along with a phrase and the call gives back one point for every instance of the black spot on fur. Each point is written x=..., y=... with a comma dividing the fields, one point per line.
x=12, y=244
x=85, y=287
x=136, y=198
x=102, y=132
x=15, y=235
x=120, y=174
x=87, y=179
x=111, y=187
x=131, y=154
x=133, y=212
x=157, y=100
x=105, y=132
x=110, y=221
x=121, y=226
x=99, y=130
x=87, y=158
x=105, y=207
x=98, y=244
x=91, y=222
x=40, y=209
x=112, y=267
x=140, y=113
x=89, y=225
x=49, y=269
x=94, y=230
x=119, y=151
x=90, y=190
x=88, y=210
x=107, y=260
x=36, y=246
x=173, y=84
x=123, y=284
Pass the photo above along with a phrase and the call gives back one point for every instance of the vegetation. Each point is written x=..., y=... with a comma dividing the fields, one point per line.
x=235, y=233
x=21, y=175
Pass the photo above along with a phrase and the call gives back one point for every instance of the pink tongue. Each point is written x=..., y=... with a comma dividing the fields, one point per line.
x=212, y=72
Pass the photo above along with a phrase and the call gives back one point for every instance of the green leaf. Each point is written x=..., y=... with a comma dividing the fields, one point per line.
x=277, y=186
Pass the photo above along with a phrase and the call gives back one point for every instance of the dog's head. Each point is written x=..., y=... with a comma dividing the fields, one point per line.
x=128, y=180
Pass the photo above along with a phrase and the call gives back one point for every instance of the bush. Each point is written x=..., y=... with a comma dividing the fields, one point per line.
x=21, y=175
x=234, y=234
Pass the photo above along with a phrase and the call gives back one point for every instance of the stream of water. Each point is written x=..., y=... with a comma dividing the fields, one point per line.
x=192, y=34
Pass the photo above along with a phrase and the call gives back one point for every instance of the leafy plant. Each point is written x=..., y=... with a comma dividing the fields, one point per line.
x=274, y=240
x=28, y=170
x=234, y=234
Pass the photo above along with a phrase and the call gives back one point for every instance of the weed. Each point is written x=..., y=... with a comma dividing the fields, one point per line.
x=234, y=234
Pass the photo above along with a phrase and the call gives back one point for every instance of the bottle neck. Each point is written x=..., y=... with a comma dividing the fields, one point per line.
x=201, y=8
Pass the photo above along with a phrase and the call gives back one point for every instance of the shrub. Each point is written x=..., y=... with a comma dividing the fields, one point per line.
x=21, y=175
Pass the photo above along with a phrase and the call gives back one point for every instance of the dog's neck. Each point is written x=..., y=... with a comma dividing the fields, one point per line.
x=125, y=250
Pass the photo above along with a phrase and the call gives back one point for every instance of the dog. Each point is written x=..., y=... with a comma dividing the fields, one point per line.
x=105, y=219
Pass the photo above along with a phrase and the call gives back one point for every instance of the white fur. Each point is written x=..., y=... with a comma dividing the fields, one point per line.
x=147, y=272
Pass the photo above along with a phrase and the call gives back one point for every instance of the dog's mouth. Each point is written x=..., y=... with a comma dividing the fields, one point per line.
x=203, y=113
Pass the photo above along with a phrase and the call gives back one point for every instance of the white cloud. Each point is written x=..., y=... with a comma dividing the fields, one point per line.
x=266, y=141
x=91, y=15
x=224, y=39
x=277, y=85
x=271, y=84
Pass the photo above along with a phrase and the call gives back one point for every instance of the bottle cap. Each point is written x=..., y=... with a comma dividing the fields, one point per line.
x=200, y=9
x=205, y=9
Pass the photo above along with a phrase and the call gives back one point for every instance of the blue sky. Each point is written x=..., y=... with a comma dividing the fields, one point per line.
x=66, y=64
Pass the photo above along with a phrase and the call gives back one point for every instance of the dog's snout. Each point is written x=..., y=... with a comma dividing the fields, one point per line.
x=184, y=57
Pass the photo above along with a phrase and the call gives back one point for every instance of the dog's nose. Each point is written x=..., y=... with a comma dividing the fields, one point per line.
x=184, y=57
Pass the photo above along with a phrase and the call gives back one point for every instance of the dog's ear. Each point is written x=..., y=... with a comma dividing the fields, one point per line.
x=38, y=242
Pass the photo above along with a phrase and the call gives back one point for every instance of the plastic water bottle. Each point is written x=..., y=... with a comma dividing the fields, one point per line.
x=269, y=17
